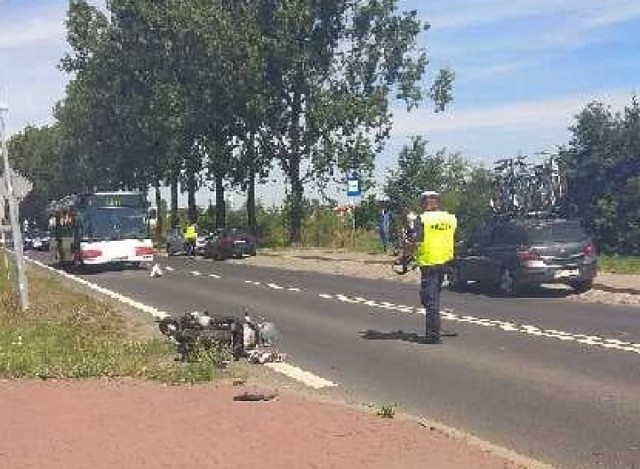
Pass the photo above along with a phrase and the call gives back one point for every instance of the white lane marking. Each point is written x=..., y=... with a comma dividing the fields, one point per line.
x=196, y=273
x=169, y=269
x=214, y=276
x=305, y=377
x=590, y=340
x=273, y=286
x=104, y=291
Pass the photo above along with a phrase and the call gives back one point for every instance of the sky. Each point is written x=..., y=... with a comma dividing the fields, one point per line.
x=524, y=69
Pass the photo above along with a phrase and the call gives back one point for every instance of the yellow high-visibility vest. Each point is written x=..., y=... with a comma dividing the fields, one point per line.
x=437, y=245
x=191, y=232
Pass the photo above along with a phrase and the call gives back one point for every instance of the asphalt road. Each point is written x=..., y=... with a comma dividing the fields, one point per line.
x=552, y=379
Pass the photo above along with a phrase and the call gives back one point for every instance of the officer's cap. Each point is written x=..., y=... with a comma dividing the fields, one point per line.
x=429, y=195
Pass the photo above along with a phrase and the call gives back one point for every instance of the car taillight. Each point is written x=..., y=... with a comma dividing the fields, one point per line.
x=589, y=250
x=528, y=255
x=90, y=253
x=142, y=251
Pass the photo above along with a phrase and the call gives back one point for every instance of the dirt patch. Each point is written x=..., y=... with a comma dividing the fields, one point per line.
x=104, y=424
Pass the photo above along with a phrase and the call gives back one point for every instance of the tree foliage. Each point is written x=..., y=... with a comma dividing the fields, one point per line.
x=603, y=171
x=465, y=189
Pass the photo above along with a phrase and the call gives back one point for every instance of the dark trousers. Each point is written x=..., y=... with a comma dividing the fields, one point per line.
x=430, y=286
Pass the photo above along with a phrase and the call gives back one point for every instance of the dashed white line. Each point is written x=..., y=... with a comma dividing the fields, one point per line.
x=214, y=276
x=305, y=377
x=590, y=340
x=169, y=269
x=195, y=273
x=273, y=286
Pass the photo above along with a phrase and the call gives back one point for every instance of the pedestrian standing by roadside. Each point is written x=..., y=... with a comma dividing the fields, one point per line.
x=435, y=244
x=385, y=227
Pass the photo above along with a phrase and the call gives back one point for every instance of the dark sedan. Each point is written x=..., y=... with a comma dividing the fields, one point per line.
x=224, y=244
x=37, y=240
x=514, y=253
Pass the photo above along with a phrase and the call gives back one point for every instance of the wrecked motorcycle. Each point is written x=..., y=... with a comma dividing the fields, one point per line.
x=247, y=337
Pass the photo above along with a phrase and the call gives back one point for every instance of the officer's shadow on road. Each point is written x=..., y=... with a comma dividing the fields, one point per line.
x=404, y=336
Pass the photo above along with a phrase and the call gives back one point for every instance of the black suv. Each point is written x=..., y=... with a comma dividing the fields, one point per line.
x=513, y=253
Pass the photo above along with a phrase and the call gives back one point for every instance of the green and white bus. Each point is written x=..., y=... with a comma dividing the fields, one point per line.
x=100, y=228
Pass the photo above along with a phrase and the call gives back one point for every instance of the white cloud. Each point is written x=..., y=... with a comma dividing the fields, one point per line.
x=563, y=24
x=17, y=35
x=474, y=74
x=543, y=114
x=456, y=14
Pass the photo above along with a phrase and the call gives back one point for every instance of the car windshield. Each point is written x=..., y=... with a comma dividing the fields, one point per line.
x=557, y=232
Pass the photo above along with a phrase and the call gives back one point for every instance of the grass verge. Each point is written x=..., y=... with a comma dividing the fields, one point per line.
x=71, y=335
x=620, y=264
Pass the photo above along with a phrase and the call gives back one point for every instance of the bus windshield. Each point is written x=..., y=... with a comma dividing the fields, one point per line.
x=113, y=223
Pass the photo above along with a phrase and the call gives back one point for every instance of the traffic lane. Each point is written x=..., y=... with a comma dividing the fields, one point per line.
x=528, y=350
x=540, y=409
x=616, y=322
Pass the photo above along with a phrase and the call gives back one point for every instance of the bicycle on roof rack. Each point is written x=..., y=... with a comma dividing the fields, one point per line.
x=522, y=189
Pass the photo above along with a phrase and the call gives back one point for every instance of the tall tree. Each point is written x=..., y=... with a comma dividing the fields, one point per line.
x=336, y=65
x=603, y=163
x=37, y=154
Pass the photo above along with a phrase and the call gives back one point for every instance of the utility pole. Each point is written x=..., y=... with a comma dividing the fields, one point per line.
x=23, y=288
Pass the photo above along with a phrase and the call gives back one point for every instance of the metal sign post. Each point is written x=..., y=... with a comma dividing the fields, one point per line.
x=353, y=194
x=13, y=215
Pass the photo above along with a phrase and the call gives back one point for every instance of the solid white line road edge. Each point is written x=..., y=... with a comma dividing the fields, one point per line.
x=305, y=377
x=104, y=291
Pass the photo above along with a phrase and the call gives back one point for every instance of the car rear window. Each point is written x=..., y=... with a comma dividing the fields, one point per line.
x=557, y=232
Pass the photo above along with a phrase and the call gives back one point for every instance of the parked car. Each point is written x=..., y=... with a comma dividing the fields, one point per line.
x=41, y=241
x=37, y=240
x=201, y=243
x=234, y=242
x=175, y=241
x=514, y=253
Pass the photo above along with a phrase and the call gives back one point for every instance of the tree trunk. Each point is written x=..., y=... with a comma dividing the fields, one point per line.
x=175, y=221
x=251, y=204
x=297, y=209
x=297, y=190
x=191, y=199
x=221, y=212
x=159, y=214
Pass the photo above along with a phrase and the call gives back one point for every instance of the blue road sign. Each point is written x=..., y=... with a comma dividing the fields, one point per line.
x=353, y=184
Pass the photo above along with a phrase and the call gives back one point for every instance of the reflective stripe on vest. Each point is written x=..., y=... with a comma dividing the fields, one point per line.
x=438, y=230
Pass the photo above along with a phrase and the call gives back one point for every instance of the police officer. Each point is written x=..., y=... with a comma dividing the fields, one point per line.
x=435, y=243
x=190, y=237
